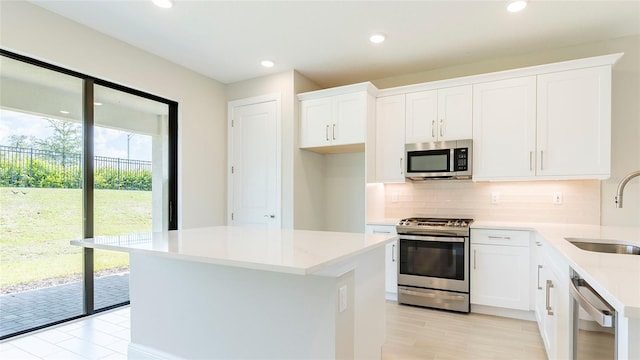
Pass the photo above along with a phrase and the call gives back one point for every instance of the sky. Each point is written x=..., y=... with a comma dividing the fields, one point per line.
x=107, y=142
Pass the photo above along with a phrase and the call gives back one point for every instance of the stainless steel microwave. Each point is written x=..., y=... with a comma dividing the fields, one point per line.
x=439, y=160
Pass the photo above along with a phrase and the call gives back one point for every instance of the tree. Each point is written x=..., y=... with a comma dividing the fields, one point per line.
x=22, y=141
x=66, y=138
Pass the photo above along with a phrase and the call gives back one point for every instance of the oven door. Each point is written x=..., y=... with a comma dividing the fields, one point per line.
x=434, y=262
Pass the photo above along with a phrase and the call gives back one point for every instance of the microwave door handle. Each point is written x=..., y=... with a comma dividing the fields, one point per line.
x=451, y=160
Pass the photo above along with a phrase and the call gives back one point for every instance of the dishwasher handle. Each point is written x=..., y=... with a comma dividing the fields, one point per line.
x=603, y=317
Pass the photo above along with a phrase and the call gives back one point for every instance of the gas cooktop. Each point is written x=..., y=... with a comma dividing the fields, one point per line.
x=435, y=226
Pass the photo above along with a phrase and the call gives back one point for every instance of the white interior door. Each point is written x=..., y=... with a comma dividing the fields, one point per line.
x=254, y=182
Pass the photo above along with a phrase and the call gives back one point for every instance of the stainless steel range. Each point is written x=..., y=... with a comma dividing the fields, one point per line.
x=433, y=266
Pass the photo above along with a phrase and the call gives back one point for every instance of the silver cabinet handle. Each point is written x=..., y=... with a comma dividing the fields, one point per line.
x=538, y=243
x=538, y=281
x=401, y=167
x=549, y=287
x=474, y=259
x=271, y=216
x=381, y=232
x=499, y=237
x=333, y=132
x=393, y=253
x=433, y=128
x=541, y=159
x=441, y=127
x=326, y=133
x=531, y=160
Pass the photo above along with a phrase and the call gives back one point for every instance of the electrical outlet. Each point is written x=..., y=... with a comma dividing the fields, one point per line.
x=557, y=197
x=343, y=298
x=495, y=197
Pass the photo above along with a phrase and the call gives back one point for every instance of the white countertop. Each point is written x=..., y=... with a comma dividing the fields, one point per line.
x=616, y=277
x=288, y=251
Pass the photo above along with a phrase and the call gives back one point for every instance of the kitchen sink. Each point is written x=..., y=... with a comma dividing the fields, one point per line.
x=608, y=246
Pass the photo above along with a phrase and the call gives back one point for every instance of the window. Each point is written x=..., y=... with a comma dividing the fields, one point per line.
x=79, y=157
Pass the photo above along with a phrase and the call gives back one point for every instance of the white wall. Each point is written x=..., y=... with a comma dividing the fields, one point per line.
x=32, y=31
x=625, y=150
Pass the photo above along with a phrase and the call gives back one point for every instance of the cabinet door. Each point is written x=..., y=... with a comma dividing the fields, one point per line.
x=422, y=117
x=574, y=123
x=454, y=113
x=349, y=112
x=500, y=276
x=315, y=122
x=390, y=115
x=504, y=129
x=391, y=259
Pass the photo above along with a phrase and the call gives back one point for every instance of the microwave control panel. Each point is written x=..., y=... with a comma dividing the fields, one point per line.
x=461, y=159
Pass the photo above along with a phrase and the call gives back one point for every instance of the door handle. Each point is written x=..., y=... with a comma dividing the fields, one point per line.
x=270, y=216
x=393, y=253
x=541, y=159
x=326, y=133
x=333, y=132
x=530, y=160
x=401, y=167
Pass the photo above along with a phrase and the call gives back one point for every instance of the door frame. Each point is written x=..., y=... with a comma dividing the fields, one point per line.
x=231, y=105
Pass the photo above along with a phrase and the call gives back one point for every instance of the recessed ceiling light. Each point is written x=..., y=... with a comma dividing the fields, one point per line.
x=64, y=112
x=267, y=63
x=517, y=5
x=377, y=38
x=165, y=4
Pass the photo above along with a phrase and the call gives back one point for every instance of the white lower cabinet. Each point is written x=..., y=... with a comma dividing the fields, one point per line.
x=552, y=301
x=391, y=259
x=500, y=274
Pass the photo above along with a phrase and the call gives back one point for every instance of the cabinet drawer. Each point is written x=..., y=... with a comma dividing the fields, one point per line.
x=500, y=237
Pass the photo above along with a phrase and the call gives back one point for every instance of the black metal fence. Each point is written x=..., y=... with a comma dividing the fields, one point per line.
x=29, y=167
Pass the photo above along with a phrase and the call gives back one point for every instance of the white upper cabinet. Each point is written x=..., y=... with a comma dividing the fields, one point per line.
x=389, y=149
x=315, y=122
x=504, y=129
x=335, y=120
x=550, y=126
x=574, y=123
x=439, y=115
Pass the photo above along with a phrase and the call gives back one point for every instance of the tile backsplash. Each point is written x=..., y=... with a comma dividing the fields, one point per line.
x=516, y=201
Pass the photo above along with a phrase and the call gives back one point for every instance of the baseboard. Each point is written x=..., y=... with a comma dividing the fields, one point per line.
x=508, y=313
x=391, y=296
x=137, y=351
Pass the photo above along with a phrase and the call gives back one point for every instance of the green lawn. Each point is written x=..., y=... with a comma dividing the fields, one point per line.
x=36, y=226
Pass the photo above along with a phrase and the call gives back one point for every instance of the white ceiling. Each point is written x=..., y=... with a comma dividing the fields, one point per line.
x=327, y=41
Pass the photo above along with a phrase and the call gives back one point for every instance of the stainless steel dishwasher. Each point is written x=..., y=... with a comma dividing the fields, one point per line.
x=594, y=322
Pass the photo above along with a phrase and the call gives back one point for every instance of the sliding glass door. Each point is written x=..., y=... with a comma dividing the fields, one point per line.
x=79, y=157
x=131, y=163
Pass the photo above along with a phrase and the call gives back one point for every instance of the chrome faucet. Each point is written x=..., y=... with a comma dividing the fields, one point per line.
x=621, y=186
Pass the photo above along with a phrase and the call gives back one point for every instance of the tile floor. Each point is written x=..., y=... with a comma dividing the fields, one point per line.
x=412, y=334
x=102, y=336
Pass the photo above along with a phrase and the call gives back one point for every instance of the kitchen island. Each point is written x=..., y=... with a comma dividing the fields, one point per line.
x=240, y=292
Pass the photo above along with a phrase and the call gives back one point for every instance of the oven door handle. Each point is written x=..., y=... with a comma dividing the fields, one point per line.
x=432, y=238
x=602, y=317
x=431, y=295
